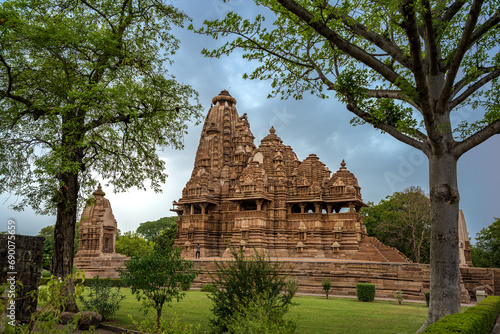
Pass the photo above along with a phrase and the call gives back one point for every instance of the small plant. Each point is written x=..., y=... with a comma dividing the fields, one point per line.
x=156, y=278
x=365, y=292
x=240, y=283
x=172, y=326
x=427, y=298
x=398, y=295
x=209, y=287
x=46, y=274
x=185, y=286
x=51, y=301
x=102, y=298
x=327, y=285
x=255, y=317
x=291, y=287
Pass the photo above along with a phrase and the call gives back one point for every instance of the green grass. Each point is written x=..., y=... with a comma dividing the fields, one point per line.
x=313, y=314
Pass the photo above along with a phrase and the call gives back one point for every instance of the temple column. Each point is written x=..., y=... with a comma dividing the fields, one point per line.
x=259, y=204
x=302, y=207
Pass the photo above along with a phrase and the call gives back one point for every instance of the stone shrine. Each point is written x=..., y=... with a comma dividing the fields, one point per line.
x=265, y=198
x=97, y=236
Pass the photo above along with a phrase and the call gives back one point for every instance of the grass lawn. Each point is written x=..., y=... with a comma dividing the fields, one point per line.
x=313, y=314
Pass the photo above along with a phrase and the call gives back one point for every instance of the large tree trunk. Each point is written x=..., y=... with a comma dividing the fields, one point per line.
x=64, y=234
x=445, y=273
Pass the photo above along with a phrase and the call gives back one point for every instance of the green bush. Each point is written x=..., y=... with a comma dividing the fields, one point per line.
x=478, y=319
x=209, y=287
x=256, y=318
x=365, y=292
x=327, y=285
x=427, y=298
x=239, y=285
x=46, y=274
x=186, y=285
x=102, y=298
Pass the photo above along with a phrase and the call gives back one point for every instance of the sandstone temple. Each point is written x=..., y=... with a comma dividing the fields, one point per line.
x=97, y=237
x=264, y=197
x=297, y=212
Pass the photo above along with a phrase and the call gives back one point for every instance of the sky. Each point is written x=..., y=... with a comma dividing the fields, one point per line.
x=381, y=164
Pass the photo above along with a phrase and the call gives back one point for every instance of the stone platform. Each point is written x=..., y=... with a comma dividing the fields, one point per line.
x=411, y=278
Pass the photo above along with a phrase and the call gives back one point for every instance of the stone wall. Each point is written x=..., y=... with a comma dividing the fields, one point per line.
x=412, y=279
x=27, y=269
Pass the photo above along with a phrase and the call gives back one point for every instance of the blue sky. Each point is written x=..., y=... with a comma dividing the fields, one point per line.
x=381, y=163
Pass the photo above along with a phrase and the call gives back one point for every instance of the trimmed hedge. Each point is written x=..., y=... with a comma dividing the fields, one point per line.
x=365, y=292
x=478, y=319
x=115, y=282
x=209, y=287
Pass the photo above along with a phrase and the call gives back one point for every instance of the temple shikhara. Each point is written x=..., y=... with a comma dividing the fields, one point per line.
x=97, y=237
x=264, y=197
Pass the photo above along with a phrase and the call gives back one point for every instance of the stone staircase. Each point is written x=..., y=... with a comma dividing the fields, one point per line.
x=371, y=249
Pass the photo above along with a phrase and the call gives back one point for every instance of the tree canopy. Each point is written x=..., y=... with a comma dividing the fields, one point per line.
x=404, y=67
x=132, y=244
x=150, y=230
x=403, y=221
x=85, y=94
x=486, y=250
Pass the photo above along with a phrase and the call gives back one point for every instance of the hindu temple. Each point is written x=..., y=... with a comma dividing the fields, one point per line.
x=241, y=195
x=97, y=237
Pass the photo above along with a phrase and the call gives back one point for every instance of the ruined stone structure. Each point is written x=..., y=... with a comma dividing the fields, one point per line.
x=264, y=197
x=464, y=242
x=97, y=236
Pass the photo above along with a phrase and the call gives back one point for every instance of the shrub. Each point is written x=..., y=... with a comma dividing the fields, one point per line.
x=291, y=287
x=475, y=320
x=398, y=295
x=185, y=286
x=156, y=277
x=365, y=292
x=208, y=288
x=327, y=285
x=239, y=285
x=102, y=298
x=46, y=274
x=256, y=318
x=427, y=298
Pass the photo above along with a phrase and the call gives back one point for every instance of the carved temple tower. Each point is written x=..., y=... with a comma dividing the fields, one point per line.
x=97, y=237
x=264, y=197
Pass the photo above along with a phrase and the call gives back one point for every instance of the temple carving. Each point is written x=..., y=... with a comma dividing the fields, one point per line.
x=264, y=197
x=97, y=237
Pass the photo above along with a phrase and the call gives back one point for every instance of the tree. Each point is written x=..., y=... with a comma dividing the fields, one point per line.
x=152, y=229
x=156, y=277
x=84, y=93
x=404, y=67
x=48, y=233
x=245, y=281
x=402, y=221
x=132, y=244
x=486, y=251
x=327, y=285
x=166, y=238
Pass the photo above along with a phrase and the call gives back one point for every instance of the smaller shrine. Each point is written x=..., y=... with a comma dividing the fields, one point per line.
x=97, y=237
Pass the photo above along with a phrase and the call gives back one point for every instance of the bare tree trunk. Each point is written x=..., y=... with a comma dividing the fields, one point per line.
x=64, y=234
x=445, y=273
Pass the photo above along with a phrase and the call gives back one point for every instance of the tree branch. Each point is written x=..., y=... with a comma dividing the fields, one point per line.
x=473, y=88
x=432, y=50
x=476, y=139
x=461, y=49
x=343, y=45
x=352, y=107
x=484, y=28
x=391, y=94
x=382, y=42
